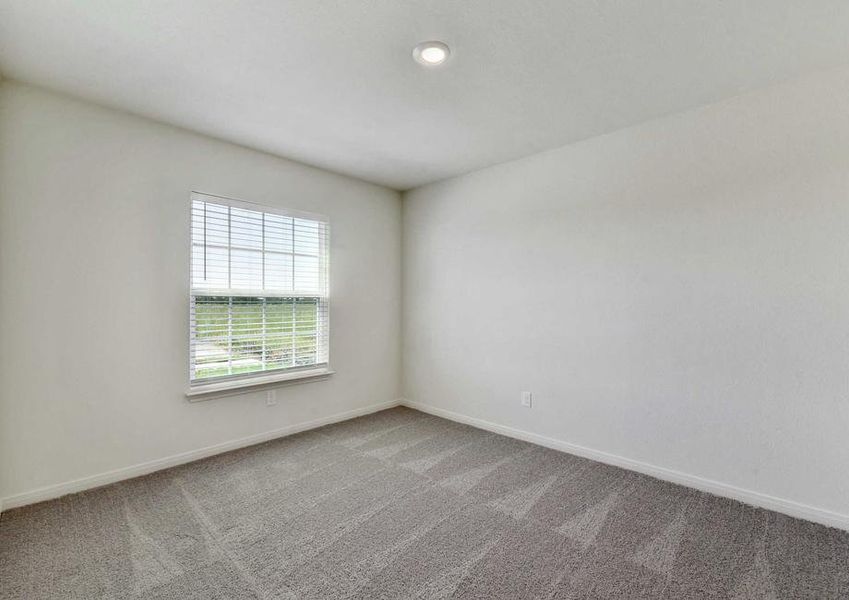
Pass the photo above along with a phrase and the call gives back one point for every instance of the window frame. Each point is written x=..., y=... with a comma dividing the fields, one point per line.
x=199, y=389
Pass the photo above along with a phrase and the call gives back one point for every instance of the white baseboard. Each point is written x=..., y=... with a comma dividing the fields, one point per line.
x=787, y=507
x=93, y=481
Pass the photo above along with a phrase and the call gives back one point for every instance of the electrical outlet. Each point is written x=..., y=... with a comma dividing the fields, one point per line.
x=271, y=398
x=527, y=399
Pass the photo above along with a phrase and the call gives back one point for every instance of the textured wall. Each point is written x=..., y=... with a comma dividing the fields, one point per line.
x=675, y=293
x=94, y=226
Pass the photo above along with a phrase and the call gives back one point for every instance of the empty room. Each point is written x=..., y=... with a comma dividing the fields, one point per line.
x=378, y=300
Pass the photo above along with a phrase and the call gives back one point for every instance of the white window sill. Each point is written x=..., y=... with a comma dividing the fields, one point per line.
x=204, y=391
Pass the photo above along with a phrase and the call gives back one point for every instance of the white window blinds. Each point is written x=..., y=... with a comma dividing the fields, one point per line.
x=258, y=289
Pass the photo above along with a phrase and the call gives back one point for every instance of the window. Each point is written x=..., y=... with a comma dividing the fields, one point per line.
x=258, y=291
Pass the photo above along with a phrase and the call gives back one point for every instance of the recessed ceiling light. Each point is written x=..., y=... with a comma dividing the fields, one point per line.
x=431, y=54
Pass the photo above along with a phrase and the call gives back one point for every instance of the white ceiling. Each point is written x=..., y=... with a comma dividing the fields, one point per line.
x=332, y=82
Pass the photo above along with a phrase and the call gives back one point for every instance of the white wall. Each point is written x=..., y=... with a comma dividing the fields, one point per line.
x=675, y=293
x=94, y=224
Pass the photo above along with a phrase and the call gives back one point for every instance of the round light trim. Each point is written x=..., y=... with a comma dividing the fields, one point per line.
x=431, y=54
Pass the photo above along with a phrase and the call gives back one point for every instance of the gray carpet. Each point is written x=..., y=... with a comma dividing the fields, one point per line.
x=404, y=505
